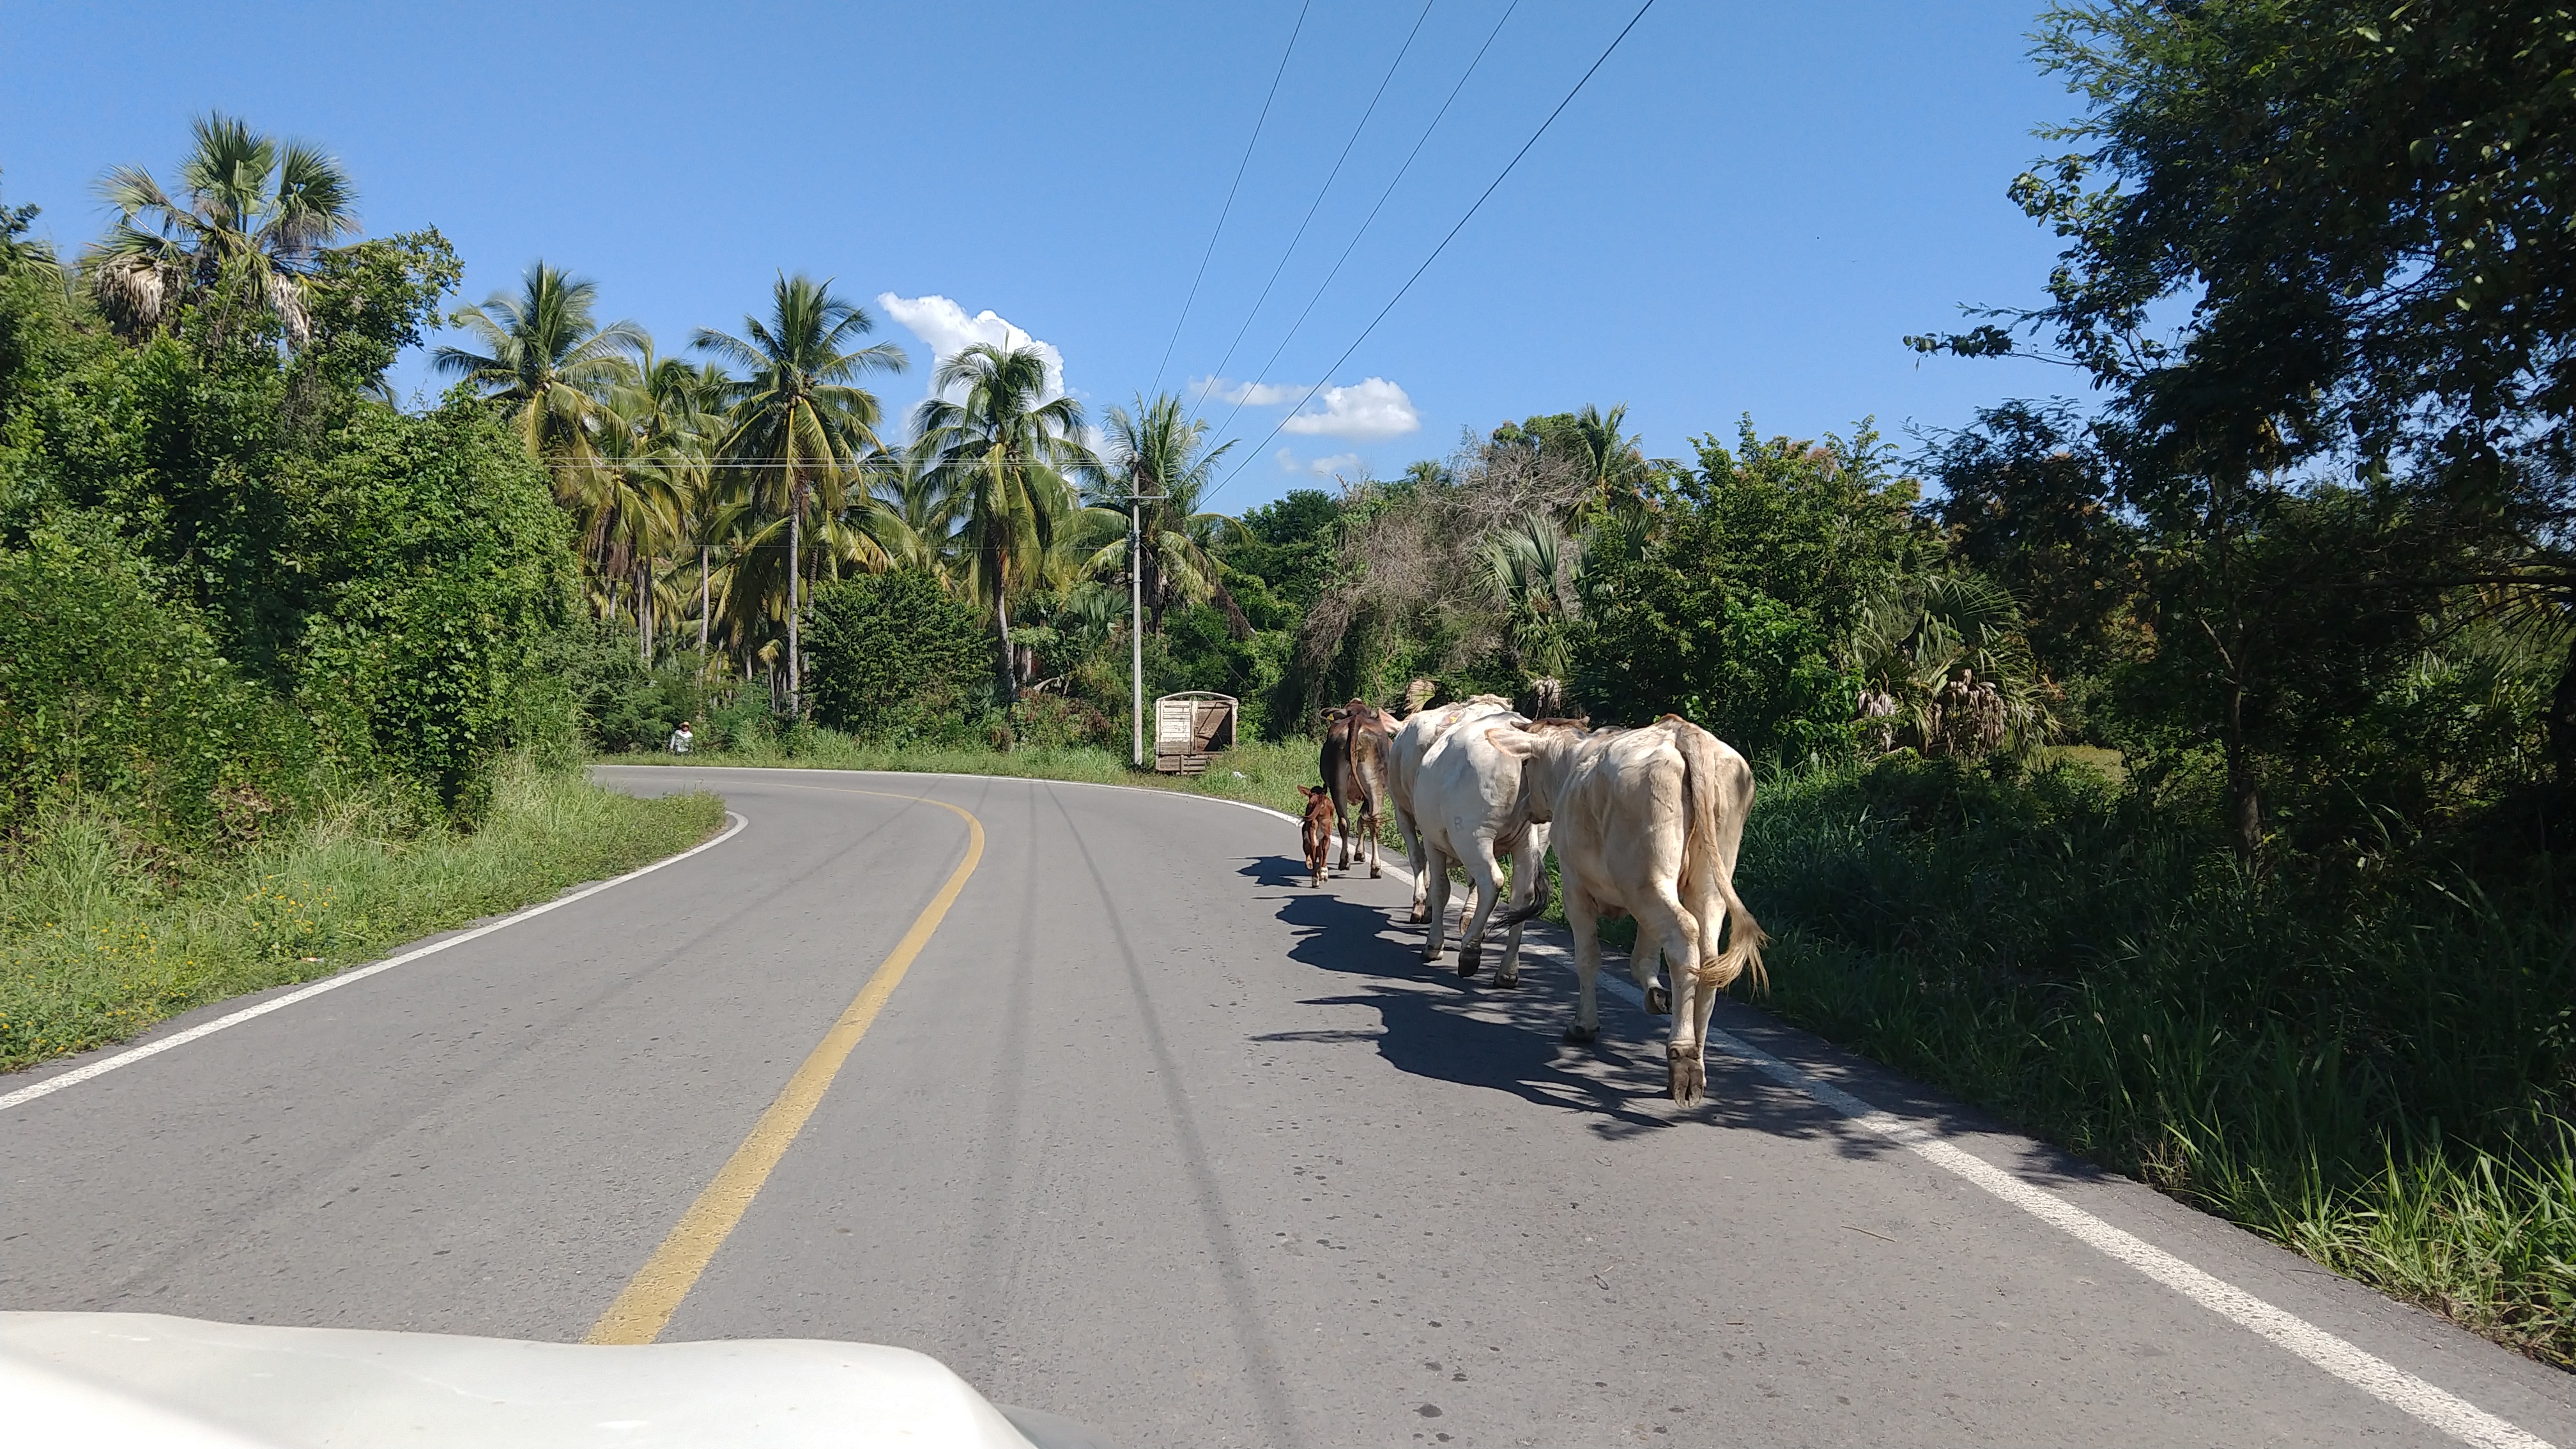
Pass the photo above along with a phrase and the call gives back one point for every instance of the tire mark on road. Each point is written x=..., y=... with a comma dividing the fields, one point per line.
x=1261, y=1357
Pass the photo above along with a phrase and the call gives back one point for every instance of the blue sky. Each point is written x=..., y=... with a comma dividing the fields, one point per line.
x=1743, y=211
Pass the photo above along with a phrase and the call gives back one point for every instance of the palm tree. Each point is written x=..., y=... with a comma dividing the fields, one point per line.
x=16, y=251
x=1614, y=467
x=633, y=496
x=800, y=421
x=545, y=356
x=1943, y=658
x=252, y=213
x=1159, y=455
x=1538, y=571
x=913, y=494
x=1006, y=454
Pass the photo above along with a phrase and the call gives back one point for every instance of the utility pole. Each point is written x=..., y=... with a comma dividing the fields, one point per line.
x=1136, y=626
x=1136, y=616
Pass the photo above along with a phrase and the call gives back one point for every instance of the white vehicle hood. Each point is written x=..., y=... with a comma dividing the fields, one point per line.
x=102, y=1380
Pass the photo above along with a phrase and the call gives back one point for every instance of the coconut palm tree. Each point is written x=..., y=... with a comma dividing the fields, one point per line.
x=1942, y=660
x=17, y=250
x=252, y=218
x=1537, y=571
x=1006, y=453
x=545, y=356
x=1614, y=467
x=1159, y=454
x=913, y=492
x=801, y=422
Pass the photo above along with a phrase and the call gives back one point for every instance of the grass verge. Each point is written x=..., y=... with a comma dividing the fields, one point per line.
x=94, y=947
x=2373, y=1072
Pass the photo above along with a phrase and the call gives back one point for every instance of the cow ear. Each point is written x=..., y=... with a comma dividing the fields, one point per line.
x=1514, y=743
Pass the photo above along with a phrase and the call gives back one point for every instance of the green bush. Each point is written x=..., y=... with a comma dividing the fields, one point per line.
x=438, y=560
x=112, y=697
x=894, y=657
x=2312, y=1053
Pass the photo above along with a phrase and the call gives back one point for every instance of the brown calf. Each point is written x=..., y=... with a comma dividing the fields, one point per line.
x=1319, y=831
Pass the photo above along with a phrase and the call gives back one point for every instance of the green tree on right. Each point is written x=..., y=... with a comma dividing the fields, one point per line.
x=1728, y=598
x=2316, y=254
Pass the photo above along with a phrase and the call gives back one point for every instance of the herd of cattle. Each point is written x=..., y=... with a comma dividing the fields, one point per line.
x=1644, y=822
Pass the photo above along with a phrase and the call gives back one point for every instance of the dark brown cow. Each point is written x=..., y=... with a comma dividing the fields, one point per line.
x=1319, y=832
x=1356, y=738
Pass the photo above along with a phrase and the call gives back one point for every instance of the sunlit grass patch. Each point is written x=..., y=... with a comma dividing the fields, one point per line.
x=98, y=943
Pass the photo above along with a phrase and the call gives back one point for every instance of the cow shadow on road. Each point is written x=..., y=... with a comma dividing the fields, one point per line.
x=1476, y=1034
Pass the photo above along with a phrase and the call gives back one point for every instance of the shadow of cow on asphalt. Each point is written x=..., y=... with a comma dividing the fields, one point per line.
x=1437, y=1026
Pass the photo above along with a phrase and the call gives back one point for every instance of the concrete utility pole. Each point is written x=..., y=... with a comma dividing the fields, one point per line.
x=1136, y=626
x=1136, y=618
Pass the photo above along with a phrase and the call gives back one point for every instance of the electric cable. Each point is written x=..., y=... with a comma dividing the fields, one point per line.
x=1317, y=205
x=1228, y=209
x=1365, y=222
x=1436, y=251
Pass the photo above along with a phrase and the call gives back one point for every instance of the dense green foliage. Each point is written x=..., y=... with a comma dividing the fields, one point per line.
x=112, y=700
x=2379, y=1076
x=894, y=656
x=1727, y=600
x=240, y=582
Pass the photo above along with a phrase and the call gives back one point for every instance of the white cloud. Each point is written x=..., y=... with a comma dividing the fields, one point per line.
x=946, y=327
x=1369, y=411
x=1248, y=394
x=1335, y=466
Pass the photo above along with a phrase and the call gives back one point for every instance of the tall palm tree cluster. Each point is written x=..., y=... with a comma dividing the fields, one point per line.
x=710, y=493
x=710, y=498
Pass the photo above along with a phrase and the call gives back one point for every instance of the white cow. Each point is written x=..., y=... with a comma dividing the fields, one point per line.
x=1462, y=803
x=1648, y=821
x=1412, y=741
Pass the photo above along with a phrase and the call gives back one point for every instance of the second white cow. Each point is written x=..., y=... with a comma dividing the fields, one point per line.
x=1459, y=800
x=1648, y=821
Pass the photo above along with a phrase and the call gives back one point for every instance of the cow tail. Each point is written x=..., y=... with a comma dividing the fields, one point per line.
x=1703, y=789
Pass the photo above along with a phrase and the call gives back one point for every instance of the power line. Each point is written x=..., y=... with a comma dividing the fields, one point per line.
x=1320, y=194
x=1371, y=218
x=1228, y=209
x=1436, y=251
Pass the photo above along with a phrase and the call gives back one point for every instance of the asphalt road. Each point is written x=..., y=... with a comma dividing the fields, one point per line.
x=1154, y=1136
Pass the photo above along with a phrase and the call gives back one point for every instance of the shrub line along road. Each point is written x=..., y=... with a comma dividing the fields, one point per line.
x=1149, y=1134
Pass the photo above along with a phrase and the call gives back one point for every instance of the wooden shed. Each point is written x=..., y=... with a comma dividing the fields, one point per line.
x=1189, y=727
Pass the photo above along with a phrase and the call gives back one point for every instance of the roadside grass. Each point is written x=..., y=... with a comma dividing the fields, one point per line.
x=96, y=945
x=2376, y=1078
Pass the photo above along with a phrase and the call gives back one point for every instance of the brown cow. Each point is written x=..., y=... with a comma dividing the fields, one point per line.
x=1319, y=832
x=1354, y=755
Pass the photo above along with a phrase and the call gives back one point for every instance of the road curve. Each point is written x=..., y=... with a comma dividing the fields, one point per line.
x=1153, y=1136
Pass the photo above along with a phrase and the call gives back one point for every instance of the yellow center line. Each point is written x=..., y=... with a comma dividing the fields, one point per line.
x=642, y=1311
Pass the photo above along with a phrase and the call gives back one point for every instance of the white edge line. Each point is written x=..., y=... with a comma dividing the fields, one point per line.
x=104, y=1065
x=2382, y=1380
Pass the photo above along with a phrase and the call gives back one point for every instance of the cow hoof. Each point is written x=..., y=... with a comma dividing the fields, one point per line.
x=1582, y=1035
x=1373, y=873
x=1687, y=1075
x=1469, y=958
x=1509, y=983
x=1659, y=1002
x=1418, y=916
